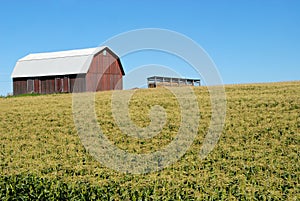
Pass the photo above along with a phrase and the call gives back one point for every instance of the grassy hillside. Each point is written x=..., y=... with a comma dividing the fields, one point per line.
x=257, y=156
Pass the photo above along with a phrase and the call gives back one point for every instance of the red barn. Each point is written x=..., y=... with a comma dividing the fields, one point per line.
x=94, y=69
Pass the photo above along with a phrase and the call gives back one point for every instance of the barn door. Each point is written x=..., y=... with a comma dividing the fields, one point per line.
x=58, y=85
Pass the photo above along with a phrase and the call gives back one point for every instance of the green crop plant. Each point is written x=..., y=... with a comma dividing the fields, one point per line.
x=256, y=157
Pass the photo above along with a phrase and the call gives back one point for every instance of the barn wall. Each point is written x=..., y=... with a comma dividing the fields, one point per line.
x=19, y=86
x=37, y=88
x=77, y=83
x=49, y=84
x=105, y=72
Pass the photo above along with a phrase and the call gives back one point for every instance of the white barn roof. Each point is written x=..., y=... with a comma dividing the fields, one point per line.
x=55, y=63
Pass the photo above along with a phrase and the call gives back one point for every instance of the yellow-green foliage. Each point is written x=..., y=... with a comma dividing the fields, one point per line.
x=257, y=156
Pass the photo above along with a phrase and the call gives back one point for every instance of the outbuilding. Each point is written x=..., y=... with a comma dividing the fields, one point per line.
x=92, y=69
x=159, y=81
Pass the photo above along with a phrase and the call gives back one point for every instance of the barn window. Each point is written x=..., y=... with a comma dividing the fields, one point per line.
x=30, y=86
x=104, y=53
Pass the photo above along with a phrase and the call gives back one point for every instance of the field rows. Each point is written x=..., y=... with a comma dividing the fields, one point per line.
x=257, y=156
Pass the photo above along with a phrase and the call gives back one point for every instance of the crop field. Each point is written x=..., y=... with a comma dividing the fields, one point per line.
x=256, y=157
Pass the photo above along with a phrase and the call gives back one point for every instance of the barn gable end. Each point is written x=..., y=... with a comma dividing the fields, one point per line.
x=105, y=72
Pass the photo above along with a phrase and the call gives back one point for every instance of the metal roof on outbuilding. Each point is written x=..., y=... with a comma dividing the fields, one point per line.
x=55, y=63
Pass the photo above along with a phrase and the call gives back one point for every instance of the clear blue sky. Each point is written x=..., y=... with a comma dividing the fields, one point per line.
x=249, y=41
